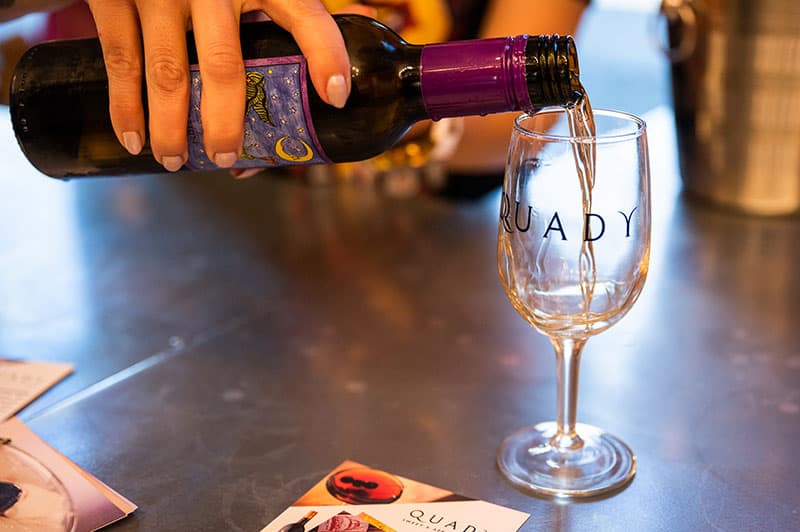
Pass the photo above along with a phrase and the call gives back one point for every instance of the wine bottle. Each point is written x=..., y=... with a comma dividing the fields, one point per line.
x=59, y=100
x=299, y=526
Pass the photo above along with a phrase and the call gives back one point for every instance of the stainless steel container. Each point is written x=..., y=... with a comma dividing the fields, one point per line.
x=736, y=87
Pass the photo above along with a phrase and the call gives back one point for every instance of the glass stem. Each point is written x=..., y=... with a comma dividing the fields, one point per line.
x=568, y=360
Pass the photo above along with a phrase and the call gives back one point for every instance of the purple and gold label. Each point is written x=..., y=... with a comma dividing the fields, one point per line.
x=277, y=130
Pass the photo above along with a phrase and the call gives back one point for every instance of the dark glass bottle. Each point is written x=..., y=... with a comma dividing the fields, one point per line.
x=59, y=100
x=299, y=526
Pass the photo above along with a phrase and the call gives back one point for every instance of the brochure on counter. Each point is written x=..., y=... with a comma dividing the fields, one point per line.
x=42, y=490
x=22, y=381
x=358, y=498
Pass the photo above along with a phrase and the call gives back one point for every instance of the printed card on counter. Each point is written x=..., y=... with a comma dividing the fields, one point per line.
x=41, y=490
x=357, y=498
x=21, y=382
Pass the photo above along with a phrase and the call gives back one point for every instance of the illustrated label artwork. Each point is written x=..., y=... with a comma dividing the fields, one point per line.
x=277, y=131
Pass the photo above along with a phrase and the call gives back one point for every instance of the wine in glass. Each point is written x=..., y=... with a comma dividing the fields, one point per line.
x=573, y=252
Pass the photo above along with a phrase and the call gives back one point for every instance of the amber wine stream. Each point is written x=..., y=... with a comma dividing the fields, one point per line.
x=581, y=125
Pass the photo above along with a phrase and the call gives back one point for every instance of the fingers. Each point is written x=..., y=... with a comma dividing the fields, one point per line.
x=215, y=23
x=216, y=33
x=245, y=173
x=320, y=41
x=118, y=28
x=163, y=26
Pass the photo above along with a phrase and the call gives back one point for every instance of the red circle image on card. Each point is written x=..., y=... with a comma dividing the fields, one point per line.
x=363, y=485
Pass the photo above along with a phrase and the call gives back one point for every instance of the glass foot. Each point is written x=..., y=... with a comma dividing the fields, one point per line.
x=602, y=464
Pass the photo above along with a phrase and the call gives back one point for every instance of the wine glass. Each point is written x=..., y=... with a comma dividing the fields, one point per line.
x=573, y=252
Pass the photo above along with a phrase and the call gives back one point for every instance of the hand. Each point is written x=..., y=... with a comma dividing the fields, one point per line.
x=126, y=27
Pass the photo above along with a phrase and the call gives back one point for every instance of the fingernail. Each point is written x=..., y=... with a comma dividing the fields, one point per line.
x=337, y=90
x=245, y=173
x=132, y=141
x=173, y=163
x=225, y=160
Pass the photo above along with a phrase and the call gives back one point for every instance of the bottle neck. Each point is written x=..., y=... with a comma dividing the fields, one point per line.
x=486, y=76
x=551, y=71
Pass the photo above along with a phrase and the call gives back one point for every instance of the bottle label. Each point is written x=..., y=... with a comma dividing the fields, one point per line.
x=277, y=127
